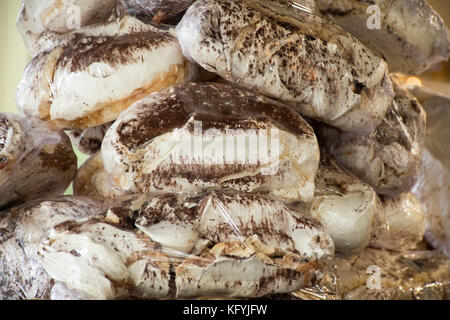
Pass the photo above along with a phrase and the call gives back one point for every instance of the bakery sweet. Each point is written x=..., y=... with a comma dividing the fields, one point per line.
x=409, y=34
x=93, y=181
x=389, y=159
x=405, y=218
x=292, y=55
x=225, y=244
x=349, y=209
x=154, y=12
x=383, y=275
x=197, y=137
x=35, y=160
x=90, y=76
x=62, y=16
x=21, y=230
x=89, y=141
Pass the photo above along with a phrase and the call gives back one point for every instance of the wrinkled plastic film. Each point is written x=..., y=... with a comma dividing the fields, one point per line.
x=225, y=260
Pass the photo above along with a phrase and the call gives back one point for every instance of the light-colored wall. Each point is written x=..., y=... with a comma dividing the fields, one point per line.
x=13, y=56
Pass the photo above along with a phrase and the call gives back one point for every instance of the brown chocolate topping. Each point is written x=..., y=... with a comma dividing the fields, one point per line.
x=112, y=50
x=217, y=106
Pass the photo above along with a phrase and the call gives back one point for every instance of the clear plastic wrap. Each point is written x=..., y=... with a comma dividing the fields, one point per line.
x=389, y=158
x=88, y=77
x=286, y=53
x=409, y=34
x=382, y=275
x=39, y=16
x=21, y=230
x=349, y=209
x=154, y=12
x=35, y=160
x=89, y=141
x=406, y=224
x=226, y=244
x=433, y=187
x=198, y=137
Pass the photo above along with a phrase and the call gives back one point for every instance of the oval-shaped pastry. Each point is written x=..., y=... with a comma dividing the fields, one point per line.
x=35, y=160
x=349, y=209
x=389, y=159
x=90, y=76
x=62, y=16
x=215, y=244
x=21, y=230
x=292, y=55
x=406, y=223
x=93, y=181
x=408, y=34
x=197, y=137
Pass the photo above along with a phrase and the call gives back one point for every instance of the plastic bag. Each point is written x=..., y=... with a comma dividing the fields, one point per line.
x=225, y=244
x=21, y=229
x=35, y=160
x=154, y=12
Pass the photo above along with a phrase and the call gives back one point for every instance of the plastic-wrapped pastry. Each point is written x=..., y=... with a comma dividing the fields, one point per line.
x=89, y=141
x=382, y=275
x=226, y=244
x=39, y=16
x=349, y=209
x=291, y=55
x=93, y=181
x=35, y=160
x=91, y=75
x=405, y=219
x=437, y=107
x=433, y=187
x=154, y=11
x=411, y=36
x=21, y=230
x=197, y=137
x=389, y=159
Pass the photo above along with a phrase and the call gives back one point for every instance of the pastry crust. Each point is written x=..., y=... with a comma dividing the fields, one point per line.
x=412, y=36
x=62, y=16
x=35, y=160
x=148, y=148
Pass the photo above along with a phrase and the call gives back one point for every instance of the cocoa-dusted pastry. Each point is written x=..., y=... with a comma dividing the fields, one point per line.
x=349, y=209
x=197, y=137
x=21, y=230
x=405, y=220
x=93, y=74
x=35, y=160
x=62, y=16
x=388, y=159
x=291, y=55
x=93, y=181
x=409, y=34
x=154, y=12
x=216, y=244
x=383, y=275
x=89, y=141
x=433, y=187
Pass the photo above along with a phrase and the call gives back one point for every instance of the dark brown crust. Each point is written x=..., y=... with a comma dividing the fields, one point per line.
x=218, y=106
